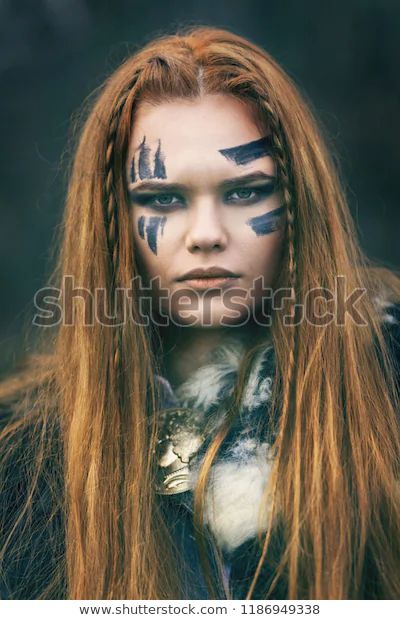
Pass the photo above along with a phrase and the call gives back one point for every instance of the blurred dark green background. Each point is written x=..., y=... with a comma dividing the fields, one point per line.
x=344, y=56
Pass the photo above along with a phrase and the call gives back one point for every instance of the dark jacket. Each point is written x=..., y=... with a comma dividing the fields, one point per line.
x=41, y=532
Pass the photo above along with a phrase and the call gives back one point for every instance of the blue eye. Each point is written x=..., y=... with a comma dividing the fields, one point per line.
x=250, y=195
x=244, y=194
x=159, y=202
x=165, y=200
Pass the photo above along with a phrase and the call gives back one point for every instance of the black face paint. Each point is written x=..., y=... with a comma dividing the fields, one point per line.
x=267, y=222
x=154, y=226
x=144, y=163
x=159, y=165
x=245, y=153
x=141, y=221
x=142, y=169
x=133, y=175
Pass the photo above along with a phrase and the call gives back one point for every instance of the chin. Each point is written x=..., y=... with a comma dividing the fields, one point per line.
x=216, y=317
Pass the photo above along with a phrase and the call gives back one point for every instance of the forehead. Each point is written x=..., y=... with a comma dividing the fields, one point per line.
x=191, y=133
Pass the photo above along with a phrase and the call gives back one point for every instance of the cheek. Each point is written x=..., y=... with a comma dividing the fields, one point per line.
x=273, y=255
x=150, y=229
x=263, y=253
x=147, y=231
x=153, y=243
x=264, y=235
x=267, y=222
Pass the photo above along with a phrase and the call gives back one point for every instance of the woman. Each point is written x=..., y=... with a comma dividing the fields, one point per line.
x=237, y=435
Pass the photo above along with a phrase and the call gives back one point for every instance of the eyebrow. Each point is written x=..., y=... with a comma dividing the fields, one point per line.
x=150, y=186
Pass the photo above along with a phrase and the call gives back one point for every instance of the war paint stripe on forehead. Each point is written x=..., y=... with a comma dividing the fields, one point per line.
x=159, y=163
x=267, y=222
x=245, y=153
x=144, y=163
x=133, y=175
x=141, y=167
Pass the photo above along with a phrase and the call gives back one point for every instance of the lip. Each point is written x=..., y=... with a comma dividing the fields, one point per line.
x=207, y=283
x=211, y=273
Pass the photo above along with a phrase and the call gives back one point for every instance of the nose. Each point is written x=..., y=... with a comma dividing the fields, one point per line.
x=206, y=231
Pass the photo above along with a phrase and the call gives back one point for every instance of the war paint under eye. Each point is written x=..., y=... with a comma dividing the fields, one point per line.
x=152, y=229
x=155, y=225
x=267, y=222
x=141, y=221
x=245, y=153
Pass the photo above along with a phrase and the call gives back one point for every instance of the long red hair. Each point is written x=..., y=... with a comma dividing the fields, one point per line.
x=335, y=480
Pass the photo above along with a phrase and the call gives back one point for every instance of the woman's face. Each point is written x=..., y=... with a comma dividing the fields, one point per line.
x=201, y=182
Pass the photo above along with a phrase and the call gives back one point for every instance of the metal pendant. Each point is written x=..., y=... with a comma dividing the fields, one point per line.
x=181, y=435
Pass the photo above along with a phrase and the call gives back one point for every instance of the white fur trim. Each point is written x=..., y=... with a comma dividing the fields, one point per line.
x=203, y=388
x=233, y=508
x=384, y=307
x=258, y=388
x=389, y=318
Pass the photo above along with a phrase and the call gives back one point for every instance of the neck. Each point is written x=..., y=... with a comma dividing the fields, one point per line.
x=186, y=348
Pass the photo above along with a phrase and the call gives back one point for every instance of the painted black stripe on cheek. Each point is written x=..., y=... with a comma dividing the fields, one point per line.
x=155, y=224
x=151, y=227
x=141, y=226
x=267, y=222
x=245, y=153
